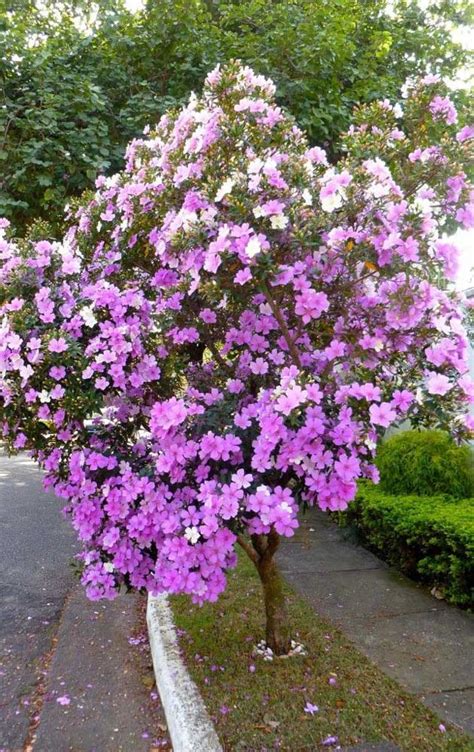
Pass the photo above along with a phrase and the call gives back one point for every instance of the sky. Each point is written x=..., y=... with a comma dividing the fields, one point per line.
x=464, y=239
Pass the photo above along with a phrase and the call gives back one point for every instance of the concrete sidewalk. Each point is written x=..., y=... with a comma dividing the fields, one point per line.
x=425, y=644
x=98, y=694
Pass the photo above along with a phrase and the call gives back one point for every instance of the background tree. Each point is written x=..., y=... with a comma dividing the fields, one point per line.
x=79, y=80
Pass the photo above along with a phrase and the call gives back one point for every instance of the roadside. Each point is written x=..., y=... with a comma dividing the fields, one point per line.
x=36, y=546
x=99, y=694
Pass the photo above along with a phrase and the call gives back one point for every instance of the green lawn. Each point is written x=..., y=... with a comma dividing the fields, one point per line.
x=263, y=708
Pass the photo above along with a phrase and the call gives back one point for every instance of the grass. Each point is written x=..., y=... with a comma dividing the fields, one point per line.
x=263, y=709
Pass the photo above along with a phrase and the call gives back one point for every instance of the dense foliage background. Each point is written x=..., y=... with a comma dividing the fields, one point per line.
x=79, y=80
x=425, y=463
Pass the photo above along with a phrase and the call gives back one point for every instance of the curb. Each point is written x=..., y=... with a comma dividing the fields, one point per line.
x=189, y=725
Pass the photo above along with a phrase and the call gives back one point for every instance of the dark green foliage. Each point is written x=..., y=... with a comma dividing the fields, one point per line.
x=91, y=81
x=428, y=538
x=426, y=463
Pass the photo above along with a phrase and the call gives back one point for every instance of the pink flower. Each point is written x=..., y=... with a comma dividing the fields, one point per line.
x=310, y=708
x=382, y=415
x=311, y=304
x=438, y=384
x=241, y=479
x=293, y=397
x=449, y=255
x=64, y=700
x=465, y=133
x=270, y=208
x=467, y=385
x=235, y=386
x=245, y=275
x=208, y=316
x=329, y=741
x=168, y=414
x=259, y=366
x=402, y=399
x=58, y=345
x=347, y=467
x=443, y=108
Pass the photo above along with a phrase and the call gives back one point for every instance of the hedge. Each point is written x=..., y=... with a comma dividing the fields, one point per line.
x=429, y=538
x=426, y=463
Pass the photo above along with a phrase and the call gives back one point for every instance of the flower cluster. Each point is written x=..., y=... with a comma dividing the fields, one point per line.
x=230, y=325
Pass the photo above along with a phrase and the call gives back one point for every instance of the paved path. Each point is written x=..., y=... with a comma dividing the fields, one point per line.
x=36, y=545
x=425, y=644
x=106, y=681
x=56, y=644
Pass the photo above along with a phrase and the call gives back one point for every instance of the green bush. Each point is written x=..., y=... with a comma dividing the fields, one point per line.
x=428, y=538
x=97, y=73
x=426, y=463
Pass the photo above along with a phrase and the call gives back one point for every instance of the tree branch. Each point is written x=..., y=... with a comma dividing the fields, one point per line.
x=218, y=357
x=248, y=548
x=283, y=325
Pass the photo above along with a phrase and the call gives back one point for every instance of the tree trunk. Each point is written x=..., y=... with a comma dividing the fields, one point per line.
x=261, y=552
x=277, y=631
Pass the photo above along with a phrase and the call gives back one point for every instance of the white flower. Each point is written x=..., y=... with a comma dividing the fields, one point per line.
x=397, y=110
x=189, y=218
x=192, y=535
x=258, y=212
x=225, y=188
x=108, y=566
x=307, y=197
x=378, y=189
x=333, y=201
x=270, y=164
x=88, y=317
x=279, y=221
x=44, y=396
x=253, y=247
x=254, y=166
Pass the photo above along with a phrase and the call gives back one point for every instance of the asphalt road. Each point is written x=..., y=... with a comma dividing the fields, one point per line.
x=36, y=546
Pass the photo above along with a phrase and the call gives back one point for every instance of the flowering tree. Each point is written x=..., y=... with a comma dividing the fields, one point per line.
x=228, y=328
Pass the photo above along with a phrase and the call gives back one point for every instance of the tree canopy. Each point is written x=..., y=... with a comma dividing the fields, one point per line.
x=230, y=324
x=79, y=80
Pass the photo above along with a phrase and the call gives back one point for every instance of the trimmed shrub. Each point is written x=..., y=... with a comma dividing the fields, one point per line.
x=426, y=463
x=428, y=538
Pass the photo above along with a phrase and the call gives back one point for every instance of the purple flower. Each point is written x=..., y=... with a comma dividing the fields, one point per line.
x=382, y=415
x=442, y=107
x=57, y=345
x=245, y=275
x=311, y=304
x=438, y=384
x=329, y=741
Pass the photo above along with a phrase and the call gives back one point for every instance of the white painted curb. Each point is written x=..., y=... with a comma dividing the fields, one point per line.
x=189, y=725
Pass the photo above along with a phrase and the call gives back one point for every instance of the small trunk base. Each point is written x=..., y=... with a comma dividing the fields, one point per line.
x=277, y=632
